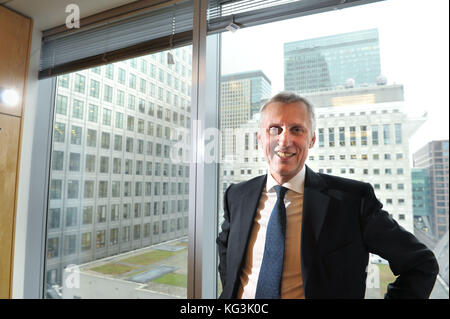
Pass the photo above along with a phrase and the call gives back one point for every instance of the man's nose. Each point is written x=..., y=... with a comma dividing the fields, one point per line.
x=283, y=138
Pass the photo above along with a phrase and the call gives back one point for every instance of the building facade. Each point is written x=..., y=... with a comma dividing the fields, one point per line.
x=366, y=142
x=330, y=62
x=422, y=205
x=433, y=157
x=241, y=96
x=113, y=187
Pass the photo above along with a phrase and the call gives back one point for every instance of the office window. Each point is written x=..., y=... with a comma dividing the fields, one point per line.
x=61, y=104
x=115, y=212
x=94, y=90
x=89, y=189
x=398, y=133
x=132, y=81
x=341, y=136
x=120, y=98
x=86, y=241
x=119, y=120
x=121, y=77
x=87, y=215
x=321, y=138
x=75, y=137
x=374, y=134
x=331, y=136
x=106, y=119
x=109, y=71
x=91, y=139
x=70, y=244
x=59, y=132
x=363, y=135
x=131, y=101
x=71, y=216
x=54, y=216
x=90, y=163
x=106, y=140
x=104, y=164
x=118, y=142
x=80, y=83
x=129, y=144
x=103, y=189
x=114, y=236
x=63, y=81
x=58, y=161
x=100, y=238
x=93, y=113
x=386, y=134
x=72, y=189
x=130, y=123
x=352, y=135
x=74, y=162
x=101, y=214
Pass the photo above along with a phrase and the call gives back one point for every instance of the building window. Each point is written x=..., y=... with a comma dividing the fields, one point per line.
x=341, y=136
x=331, y=136
x=398, y=133
x=321, y=138
x=352, y=135
x=61, y=104
x=386, y=133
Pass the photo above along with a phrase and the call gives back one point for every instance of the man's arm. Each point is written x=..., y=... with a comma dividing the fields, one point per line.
x=222, y=239
x=409, y=259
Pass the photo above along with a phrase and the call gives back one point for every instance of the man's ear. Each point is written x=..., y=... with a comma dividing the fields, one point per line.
x=258, y=137
x=313, y=141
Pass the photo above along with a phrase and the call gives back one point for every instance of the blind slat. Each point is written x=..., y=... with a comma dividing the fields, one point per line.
x=248, y=13
x=58, y=51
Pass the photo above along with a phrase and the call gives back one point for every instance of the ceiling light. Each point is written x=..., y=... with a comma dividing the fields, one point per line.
x=9, y=97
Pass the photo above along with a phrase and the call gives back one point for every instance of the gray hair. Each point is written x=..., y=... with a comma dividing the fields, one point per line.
x=290, y=97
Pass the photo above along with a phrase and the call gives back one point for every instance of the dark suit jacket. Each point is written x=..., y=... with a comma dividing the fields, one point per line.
x=342, y=222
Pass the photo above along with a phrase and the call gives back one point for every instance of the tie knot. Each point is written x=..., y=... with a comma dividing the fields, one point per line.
x=281, y=191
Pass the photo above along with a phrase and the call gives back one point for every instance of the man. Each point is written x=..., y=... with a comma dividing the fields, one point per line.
x=294, y=233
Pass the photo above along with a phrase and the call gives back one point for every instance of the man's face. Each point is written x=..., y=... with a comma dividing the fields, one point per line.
x=285, y=136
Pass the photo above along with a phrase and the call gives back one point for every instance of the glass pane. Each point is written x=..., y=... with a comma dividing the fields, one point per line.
x=119, y=197
x=379, y=96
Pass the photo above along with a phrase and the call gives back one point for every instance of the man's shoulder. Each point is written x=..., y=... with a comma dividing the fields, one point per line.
x=345, y=185
x=243, y=186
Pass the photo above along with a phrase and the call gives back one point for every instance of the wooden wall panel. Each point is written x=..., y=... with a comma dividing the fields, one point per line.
x=15, y=32
x=15, y=44
x=9, y=143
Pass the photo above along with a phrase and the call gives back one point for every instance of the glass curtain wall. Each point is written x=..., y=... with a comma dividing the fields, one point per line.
x=376, y=79
x=118, y=203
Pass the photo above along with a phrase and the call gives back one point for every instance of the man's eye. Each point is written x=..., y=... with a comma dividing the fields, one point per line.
x=298, y=130
x=275, y=130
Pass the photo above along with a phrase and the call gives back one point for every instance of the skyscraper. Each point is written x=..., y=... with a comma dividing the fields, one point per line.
x=348, y=59
x=241, y=96
x=434, y=157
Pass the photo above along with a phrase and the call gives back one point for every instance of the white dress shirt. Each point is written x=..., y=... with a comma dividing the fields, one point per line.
x=291, y=284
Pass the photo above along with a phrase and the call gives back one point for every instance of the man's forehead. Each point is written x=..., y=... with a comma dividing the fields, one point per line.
x=278, y=112
x=279, y=106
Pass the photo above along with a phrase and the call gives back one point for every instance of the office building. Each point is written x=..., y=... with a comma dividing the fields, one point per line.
x=241, y=96
x=367, y=142
x=113, y=186
x=326, y=63
x=421, y=192
x=433, y=157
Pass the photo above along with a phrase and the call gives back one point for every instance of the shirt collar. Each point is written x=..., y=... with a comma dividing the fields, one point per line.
x=296, y=183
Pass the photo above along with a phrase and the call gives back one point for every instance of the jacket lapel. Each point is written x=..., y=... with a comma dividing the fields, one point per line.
x=249, y=203
x=315, y=206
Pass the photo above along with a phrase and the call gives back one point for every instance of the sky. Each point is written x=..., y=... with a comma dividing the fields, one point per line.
x=414, y=51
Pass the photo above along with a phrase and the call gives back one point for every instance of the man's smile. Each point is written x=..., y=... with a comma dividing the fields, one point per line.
x=285, y=154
